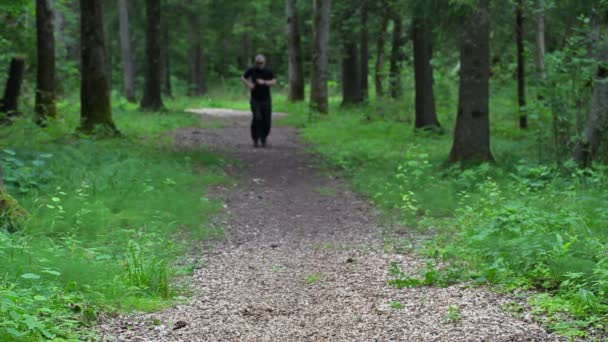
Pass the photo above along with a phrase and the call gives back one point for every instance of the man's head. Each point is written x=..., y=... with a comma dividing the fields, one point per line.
x=260, y=61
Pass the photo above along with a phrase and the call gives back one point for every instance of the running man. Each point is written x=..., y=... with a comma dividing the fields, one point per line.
x=259, y=79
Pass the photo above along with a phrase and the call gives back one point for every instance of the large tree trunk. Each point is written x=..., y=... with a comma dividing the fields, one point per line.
x=165, y=60
x=95, y=86
x=152, y=98
x=45, y=78
x=472, y=133
x=379, y=68
x=127, y=57
x=351, y=83
x=396, y=88
x=426, y=114
x=521, y=64
x=597, y=121
x=364, y=52
x=10, y=101
x=11, y=213
x=540, y=43
x=294, y=46
x=198, y=82
x=197, y=73
x=319, y=97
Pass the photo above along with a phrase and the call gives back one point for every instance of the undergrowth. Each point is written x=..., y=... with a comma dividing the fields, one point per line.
x=522, y=223
x=109, y=220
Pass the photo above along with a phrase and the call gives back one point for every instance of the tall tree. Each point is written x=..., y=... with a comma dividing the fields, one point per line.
x=351, y=69
x=319, y=97
x=396, y=87
x=426, y=114
x=45, y=77
x=364, y=50
x=597, y=120
x=95, y=110
x=521, y=64
x=197, y=69
x=10, y=101
x=379, y=67
x=540, y=40
x=472, y=133
x=294, y=46
x=125, y=48
x=165, y=59
x=152, y=98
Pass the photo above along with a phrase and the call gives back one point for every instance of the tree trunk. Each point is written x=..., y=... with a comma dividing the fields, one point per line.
x=11, y=213
x=10, y=101
x=165, y=60
x=597, y=121
x=426, y=114
x=294, y=45
x=319, y=97
x=396, y=88
x=521, y=64
x=364, y=52
x=45, y=78
x=152, y=98
x=351, y=82
x=540, y=43
x=379, y=68
x=472, y=133
x=127, y=57
x=198, y=83
x=95, y=86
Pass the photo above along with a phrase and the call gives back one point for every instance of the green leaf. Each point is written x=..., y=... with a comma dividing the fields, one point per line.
x=55, y=199
x=15, y=332
x=51, y=272
x=40, y=298
x=30, y=276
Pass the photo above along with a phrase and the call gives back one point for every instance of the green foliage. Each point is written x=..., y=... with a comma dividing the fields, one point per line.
x=109, y=219
x=517, y=224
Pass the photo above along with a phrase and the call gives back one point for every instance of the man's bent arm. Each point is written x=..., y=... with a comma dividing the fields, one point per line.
x=247, y=83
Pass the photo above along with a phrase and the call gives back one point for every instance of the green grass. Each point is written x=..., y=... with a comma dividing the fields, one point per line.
x=110, y=218
x=520, y=223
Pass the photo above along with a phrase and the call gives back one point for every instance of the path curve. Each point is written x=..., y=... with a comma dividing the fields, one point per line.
x=303, y=261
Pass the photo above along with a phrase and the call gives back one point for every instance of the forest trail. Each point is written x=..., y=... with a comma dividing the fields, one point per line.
x=303, y=260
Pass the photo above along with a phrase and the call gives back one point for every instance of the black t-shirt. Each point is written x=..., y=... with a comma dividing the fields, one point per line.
x=260, y=92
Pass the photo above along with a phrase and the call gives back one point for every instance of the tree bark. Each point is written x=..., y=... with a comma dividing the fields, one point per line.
x=45, y=77
x=165, y=60
x=96, y=110
x=127, y=57
x=472, y=133
x=597, y=121
x=396, y=88
x=152, y=98
x=351, y=82
x=294, y=46
x=521, y=65
x=10, y=101
x=379, y=68
x=540, y=43
x=426, y=114
x=198, y=82
x=364, y=52
x=319, y=97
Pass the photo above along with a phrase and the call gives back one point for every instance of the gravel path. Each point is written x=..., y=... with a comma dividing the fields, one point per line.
x=304, y=261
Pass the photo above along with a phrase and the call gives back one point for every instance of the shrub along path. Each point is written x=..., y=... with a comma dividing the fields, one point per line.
x=304, y=261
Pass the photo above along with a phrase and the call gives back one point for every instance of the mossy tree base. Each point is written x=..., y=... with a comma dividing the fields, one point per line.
x=11, y=213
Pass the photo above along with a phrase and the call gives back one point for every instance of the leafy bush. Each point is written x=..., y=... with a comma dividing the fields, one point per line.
x=109, y=221
x=519, y=224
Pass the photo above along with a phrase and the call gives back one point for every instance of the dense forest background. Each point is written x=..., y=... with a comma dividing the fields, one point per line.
x=479, y=119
